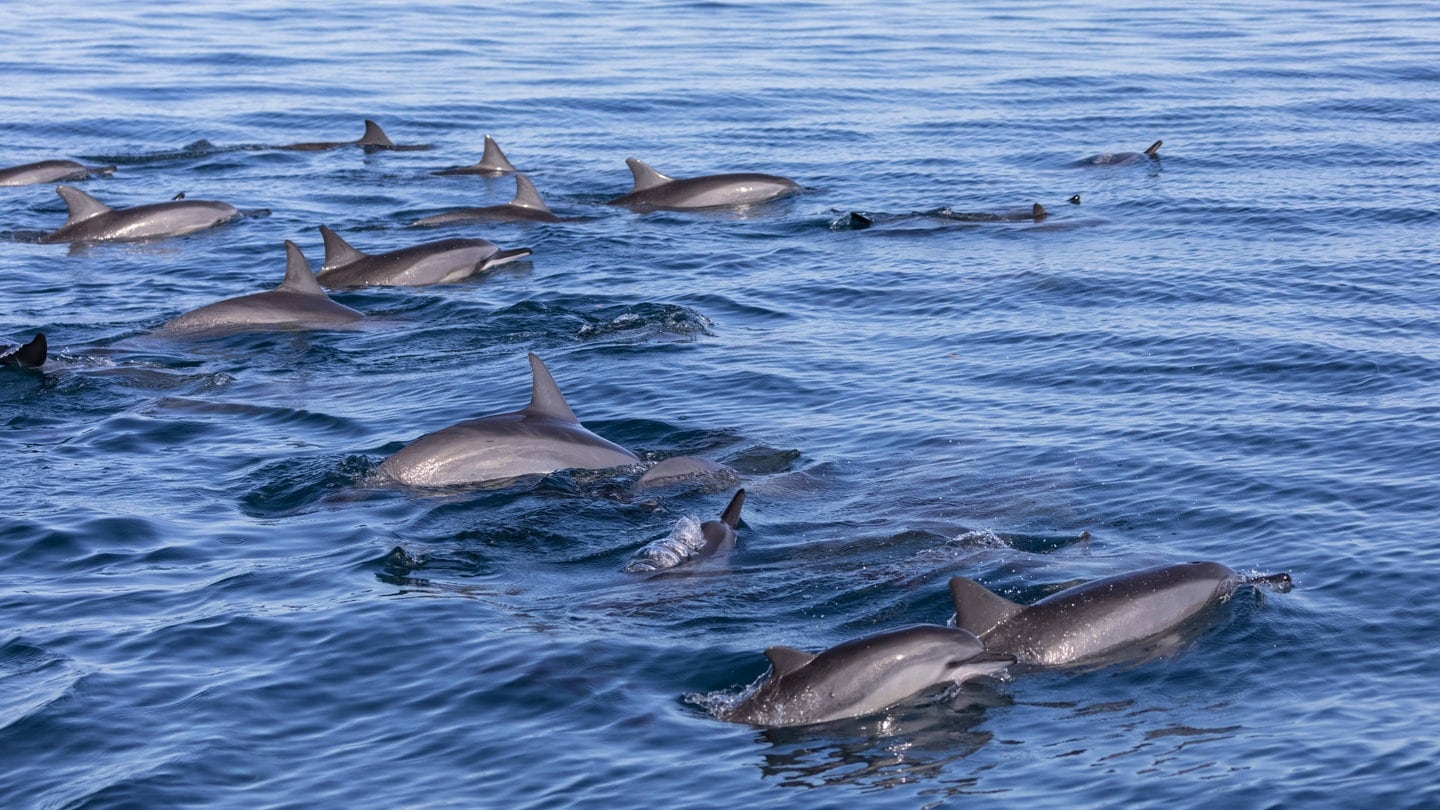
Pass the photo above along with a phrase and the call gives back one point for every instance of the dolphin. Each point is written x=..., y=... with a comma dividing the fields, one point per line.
x=93, y=221
x=30, y=355
x=1036, y=213
x=492, y=161
x=1127, y=616
x=431, y=263
x=525, y=207
x=298, y=303
x=539, y=439
x=1121, y=158
x=689, y=543
x=49, y=171
x=373, y=140
x=862, y=676
x=678, y=469
x=654, y=190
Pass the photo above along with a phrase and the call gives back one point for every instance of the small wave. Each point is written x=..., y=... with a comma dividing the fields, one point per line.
x=682, y=545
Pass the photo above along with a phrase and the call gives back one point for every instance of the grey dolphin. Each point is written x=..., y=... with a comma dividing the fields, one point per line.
x=431, y=263
x=539, y=439
x=525, y=207
x=93, y=221
x=492, y=161
x=678, y=469
x=862, y=676
x=374, y=139
x=654, y=190
x=1036, y=213
x=1121, y=158
x=298, y=303
x=30, y=355
x=49, y=171
x=1127, y=616
x=690, y=543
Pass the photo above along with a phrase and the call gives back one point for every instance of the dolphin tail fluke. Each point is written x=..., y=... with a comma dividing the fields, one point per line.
x=526, y=196
x=81, y=205
x=337, y=251
x=545, y=397
x=298, y=278
x=1038, y=212
x=645, y=177
x=375, y=136
x=977, y=608
x=31, y=355
x=731, y=516
x=492, y=159
x=1154, y=150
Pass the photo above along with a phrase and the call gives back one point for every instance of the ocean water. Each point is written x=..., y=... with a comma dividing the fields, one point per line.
x=1229, y=354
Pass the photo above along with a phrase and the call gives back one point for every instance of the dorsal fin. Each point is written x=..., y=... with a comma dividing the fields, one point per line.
x=81, y=205
x=374, y=135
x=731, y=516
x=785, y=660
x=492, y=159
x=298, y=278
x=1038, y=212
x=545, y=397
x=337, y=251
x=526, y=196
x=645, y=177
x=977, y=608
x=1154, y=150
x=31, y=355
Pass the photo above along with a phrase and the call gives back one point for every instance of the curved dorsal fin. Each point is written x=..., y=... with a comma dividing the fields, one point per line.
x=545, y=397
x=1038, y=212
x=374, y=135
x=645, y=177
x=785, y=660
x=1154, y=150
x=731, y=516
x=298, y=278
x=81, y=205
x=977, y=608
x=492, y=159
x=526, y=196
x=31, y=355
x=337, y=251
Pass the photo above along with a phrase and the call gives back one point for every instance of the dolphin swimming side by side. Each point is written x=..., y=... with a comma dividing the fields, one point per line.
x=492, y=161
x=439, y=262
x=654, y=190
x=29, y=355
x=690, y=542
x=525, y=207
x=862, y=676
x=1130, y=616
x=538, y=439
x=49, y=171
x=1120, y=158
x=298, y=303
x=373, y=140
x=93, y=221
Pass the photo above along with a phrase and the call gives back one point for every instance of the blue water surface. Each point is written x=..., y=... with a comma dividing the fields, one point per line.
x=1229, y=353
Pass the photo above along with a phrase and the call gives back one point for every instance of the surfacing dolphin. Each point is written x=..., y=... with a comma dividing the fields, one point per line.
x=298, y=303
x=492, y=161
x=691, y=543
x=1121, y=158
x=525, y=207
x=539, y=439
x=30, y=355
x=1036, y=213
x=49, y=171
x=93, y=221
x=373, y=140
x=1131, y=616
x=654, y=190
x=862, y=676
x=438, y=262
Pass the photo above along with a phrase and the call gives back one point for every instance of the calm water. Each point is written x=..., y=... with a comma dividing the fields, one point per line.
x=1230, y=354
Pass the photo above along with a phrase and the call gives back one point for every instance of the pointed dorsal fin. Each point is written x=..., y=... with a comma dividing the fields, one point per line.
x=31, y=355
x=731, y=516
x=977, y=608
x=1154, y=150
x=526, y=196
x=337, y=251
x=298, y=278
x=81, y=205
x=492, y=159
x=374, y=135
x=1038, y=212
x=785, y=660
x=645, y=177
x=545, y=397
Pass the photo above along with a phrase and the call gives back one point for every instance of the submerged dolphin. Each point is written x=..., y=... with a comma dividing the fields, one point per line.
x=492, y=161
x=431, y=263
x=862, y=676
x=525, y=207
x=678, y=469
x=1121, y=158
x=93, y=221
x=374, y=139
x=1126, y=616
x=49, y=171
x=655, y=190
x=539, y=439
x=1036, y=213
x=30, y=355
x=298, y=303
x=691, y=543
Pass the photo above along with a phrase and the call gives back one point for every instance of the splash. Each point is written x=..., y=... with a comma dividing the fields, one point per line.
x=679, y=547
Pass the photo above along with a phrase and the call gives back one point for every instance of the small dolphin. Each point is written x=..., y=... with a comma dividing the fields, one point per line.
x=431, y=263
x=1100, y=622
x=49, y=171
x=654, y=190
x=298, y=303
x=93, y=221
x=539, y=439
x=1036, y=213
x=492, y=161
x=373, y=140
x=862, y=676
x=526, y=207
x=1121, y=158
x=30, y=355
x=690, y=543
x=678, y=469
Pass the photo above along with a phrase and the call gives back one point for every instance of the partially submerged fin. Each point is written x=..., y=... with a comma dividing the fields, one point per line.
x=545, y=397
x=1154, y=150
x=337, y=251
x=31, y=355
x=81, y=205
x=374, y=136
x=731, y=516
x=526, y=196
x=492, y=159
x=1038, y=212
x=785, y=660
x=646, y=177
x=298, y=278
x=977, y=608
